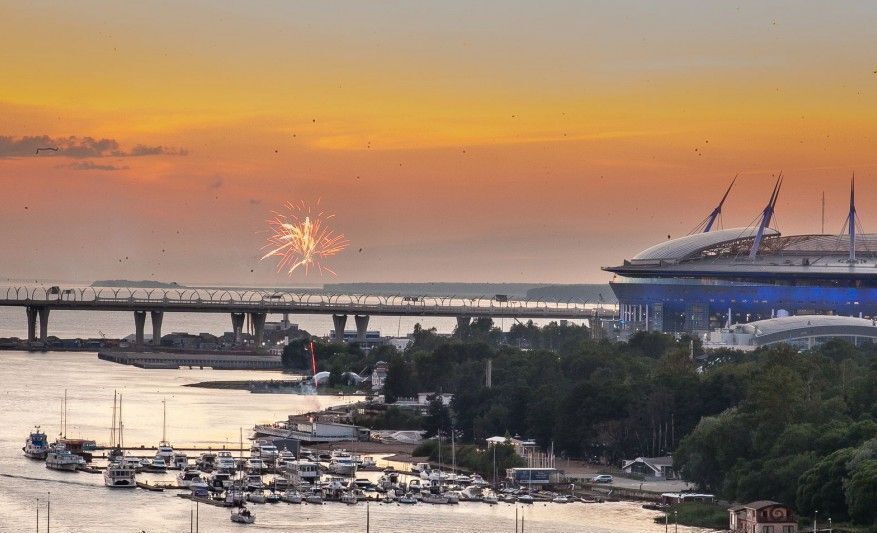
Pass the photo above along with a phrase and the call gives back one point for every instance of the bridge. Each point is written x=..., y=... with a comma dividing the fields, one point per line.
x=238, y=303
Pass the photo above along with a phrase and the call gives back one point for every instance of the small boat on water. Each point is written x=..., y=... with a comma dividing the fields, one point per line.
x=272, y=497
x=254, y=481
x=36, y=446
x=155, y=465
x=408, y=499
x=560, y=499
x=186, y=476
x=224, y=461
x=438, y=499
x=490, y=499
x=525, y=498
x=315, y=498
x=208, y=461
x=180, y=460
x=349, y=498
x=120, y=474
x=84, y=448
x=242, y=515
x=60, y=458
x=291, y=496
x=257, y=496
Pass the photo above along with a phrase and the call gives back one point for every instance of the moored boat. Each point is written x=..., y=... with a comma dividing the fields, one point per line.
x=60, y=458
x=242, y=515
x=36, y=446
x=120, y=474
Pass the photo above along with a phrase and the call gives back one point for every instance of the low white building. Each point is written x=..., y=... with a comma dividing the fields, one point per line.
x=654, y=468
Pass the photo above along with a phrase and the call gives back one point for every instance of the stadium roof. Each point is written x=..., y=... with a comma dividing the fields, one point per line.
x=690, y=245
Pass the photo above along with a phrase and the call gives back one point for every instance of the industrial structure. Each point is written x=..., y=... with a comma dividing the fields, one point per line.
x=719, y=277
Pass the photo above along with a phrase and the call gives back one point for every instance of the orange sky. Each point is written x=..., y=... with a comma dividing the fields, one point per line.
x=502, y=142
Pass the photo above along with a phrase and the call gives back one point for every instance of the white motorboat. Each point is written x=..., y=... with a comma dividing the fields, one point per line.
x=291, y=496
x=452, y=497
x=219, y=481
x=560, y=499
x=157, y=465
x=254, y=464
x=180, y=460
x=342, y=463
x=185, y=477
x=304, y=470
x=120, y=474
x=434, y=498
x=243, y=515
x=268, y=452
x=254, y=481
x=349, y=498
x=235, y=496
x=315, y=498
x=408, y=499
x=414, y=485
x=490, y=499
x=36, y=446
x=272, y=497
x=525, y=498
x=257, y=496
x=224, y=462
x=207, y=461
x=60, y=458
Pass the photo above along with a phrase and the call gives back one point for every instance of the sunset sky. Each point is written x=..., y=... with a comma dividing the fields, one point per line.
x=455, y=141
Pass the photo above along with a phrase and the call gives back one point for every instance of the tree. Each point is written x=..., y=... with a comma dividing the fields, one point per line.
x=399, y=382
x=438, y=418
x=862, y=492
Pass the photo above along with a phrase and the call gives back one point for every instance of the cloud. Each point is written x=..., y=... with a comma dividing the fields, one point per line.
x=76, y=147
x=91, y=165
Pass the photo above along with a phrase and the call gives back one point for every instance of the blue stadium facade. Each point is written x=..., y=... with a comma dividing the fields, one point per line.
x=716, y=277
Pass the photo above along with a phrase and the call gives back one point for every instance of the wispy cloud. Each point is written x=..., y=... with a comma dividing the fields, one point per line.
x=76, y=147
x=91, y=165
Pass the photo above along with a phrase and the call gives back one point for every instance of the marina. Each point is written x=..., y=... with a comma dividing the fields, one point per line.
x=221, y=416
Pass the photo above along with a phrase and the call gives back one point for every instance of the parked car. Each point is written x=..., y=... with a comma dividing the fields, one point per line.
x=602, y=478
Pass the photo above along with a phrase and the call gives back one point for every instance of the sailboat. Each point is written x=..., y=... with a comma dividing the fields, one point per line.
x=165, y=450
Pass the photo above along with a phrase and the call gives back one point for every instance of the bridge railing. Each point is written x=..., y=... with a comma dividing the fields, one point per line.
x=280, y=299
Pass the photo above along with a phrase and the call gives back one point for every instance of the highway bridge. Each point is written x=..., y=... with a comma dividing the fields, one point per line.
x=38, y=301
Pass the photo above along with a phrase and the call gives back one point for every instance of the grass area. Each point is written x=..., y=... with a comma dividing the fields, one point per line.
x=697, y=514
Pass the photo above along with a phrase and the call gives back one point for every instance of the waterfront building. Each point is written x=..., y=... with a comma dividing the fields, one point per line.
x=762, y=517
x=652, y=468
x=713, y=277
x=533, y=476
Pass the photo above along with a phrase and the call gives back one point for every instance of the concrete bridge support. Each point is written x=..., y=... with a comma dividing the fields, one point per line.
x=339, y=321
x=157, y=317
x=361, y=327
x=139, y=322
x=258, y=320
x=44, y=323
x=31, y=323
x=237, y=326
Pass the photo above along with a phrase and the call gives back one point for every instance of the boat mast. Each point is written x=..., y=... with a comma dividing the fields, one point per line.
x=113, y=428
x=164, y=420
x=766, y=216
x=121, y=427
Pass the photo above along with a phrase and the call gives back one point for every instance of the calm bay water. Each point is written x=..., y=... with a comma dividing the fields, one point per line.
x=32, y=386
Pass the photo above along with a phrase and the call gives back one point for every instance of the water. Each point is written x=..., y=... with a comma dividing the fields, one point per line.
x=32, y=386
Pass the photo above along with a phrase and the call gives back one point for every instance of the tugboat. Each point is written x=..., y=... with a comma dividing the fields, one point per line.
x=243, y=515
x=36, y=446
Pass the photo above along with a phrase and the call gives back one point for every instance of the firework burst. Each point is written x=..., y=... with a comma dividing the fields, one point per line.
x=301, y=238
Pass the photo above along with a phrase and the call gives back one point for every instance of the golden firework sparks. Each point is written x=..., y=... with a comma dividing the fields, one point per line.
x=301, y=238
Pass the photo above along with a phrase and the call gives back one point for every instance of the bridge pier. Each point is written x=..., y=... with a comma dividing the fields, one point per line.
x=361, y=327
x=31, y=323
x=157, y=317
x=339, y=321
x=237, y=326
x=44, y=323
x=258, y=320
x=139, y=322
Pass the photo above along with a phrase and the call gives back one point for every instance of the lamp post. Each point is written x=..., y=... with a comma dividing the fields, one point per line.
x=829, y=524
x=676, y=520
x=815, y=516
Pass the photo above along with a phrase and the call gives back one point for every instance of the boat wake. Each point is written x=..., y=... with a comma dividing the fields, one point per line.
x=50, y=480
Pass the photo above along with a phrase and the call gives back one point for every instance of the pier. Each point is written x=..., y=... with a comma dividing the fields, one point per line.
x=176, y=360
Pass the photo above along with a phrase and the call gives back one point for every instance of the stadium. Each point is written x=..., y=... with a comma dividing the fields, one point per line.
x=718, y=277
